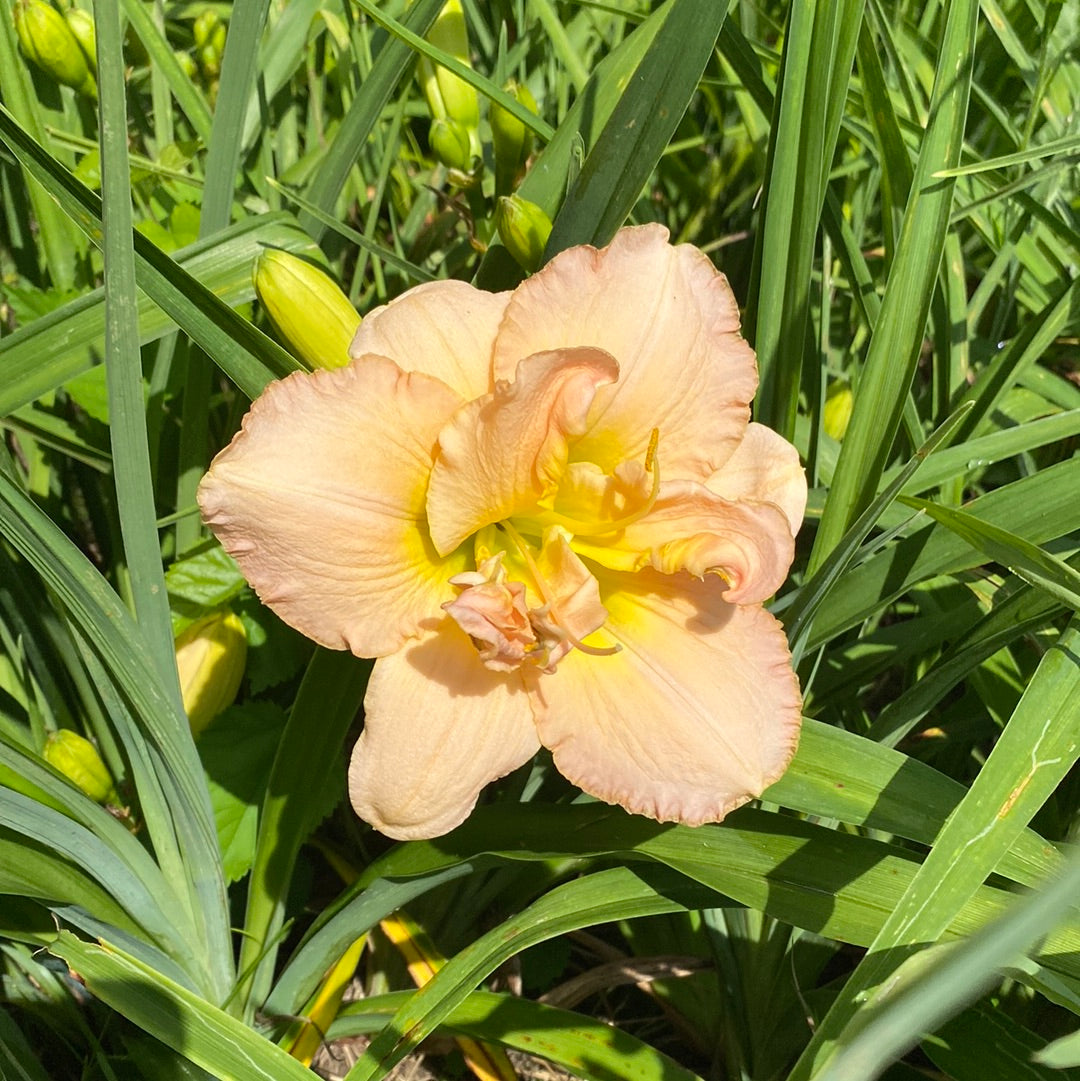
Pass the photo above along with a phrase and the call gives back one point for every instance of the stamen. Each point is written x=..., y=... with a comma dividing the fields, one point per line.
x=548, y=598
x=598, y=529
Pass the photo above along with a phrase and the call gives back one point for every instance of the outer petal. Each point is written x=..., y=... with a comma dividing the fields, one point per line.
x=691, y=528
x=320, y=498
x=504, y=452
x=697, y=714
x=445, y=328
x=439, y=727
x=670, y=320
x=765, y=468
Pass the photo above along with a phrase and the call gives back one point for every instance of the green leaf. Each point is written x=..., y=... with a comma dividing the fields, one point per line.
x=209, y=1037
x=207, y=579
x=587, y=1047
x=640, y=126
x=1022, y=557
x=238, y=750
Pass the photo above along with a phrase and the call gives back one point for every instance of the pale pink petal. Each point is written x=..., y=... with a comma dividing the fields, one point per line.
x=320, y=499
x=504, y=452
x=765, y=468
x=439, y=726
x=670, y=320
x=445, y=329
x=690, y=528
x=697, y=714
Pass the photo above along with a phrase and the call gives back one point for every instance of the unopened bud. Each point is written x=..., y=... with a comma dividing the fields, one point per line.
x=524, y=228
x=307, y=307
x=209, y=32
x=451, y=145
x=78, y=760
x=48, y=41
x=210, y=659
x=82, y=26
x=511, y=140
x=839, y=402
x=449, y=97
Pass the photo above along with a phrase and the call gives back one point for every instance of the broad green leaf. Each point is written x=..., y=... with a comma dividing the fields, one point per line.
x=226, y=1047
x=640, y=126
x=894, y=348
x=44, y=354
x=587, y=1047
x=1036, y=750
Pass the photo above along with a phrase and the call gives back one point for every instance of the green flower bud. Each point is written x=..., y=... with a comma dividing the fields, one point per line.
x=48, y=41
x=310, y=313
x=511, y=140
x=450, y=144
x=448, y=97
x=524, y=228
x=82, y=26
x=210, y=659
x=839, y=402
x=78, y=760
x=187, y=63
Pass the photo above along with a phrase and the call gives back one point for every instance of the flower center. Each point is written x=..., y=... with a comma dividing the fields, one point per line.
x=530, y=601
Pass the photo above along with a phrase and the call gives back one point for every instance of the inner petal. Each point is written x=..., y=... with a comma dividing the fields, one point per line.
x=504, y=453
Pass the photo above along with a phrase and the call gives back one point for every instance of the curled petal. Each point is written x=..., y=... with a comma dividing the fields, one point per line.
x=690, y=528
x=765, y=468
x=439, y=726
x=491, y=610
x=506, y=451
x=698, y=713
x=670, y=320
x=444, y=328
x=320, y=499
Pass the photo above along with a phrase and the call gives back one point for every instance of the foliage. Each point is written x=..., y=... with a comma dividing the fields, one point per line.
x=892, y=191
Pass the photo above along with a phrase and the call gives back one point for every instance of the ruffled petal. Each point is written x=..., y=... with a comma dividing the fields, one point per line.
x=444, y=328
x=765, y=468
x=320, y=499
x=698, y=713
x=504, y=452
x=692, y=529
x=439, y=726
x=670, y=320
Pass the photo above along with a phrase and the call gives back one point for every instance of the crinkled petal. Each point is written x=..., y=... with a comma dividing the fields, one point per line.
x=320, y=499
x=444, y=328
x=698, y=713
x=765, y=468
x=439, y=726
x=670, y=320
x=692, y=529
x=504, y=452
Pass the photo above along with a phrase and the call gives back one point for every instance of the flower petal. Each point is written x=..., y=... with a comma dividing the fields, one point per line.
x=444, y=328
x=670, y=320
x=320, y=499
x=690, y=528
x=502, y=453
x=439, y=726
x=765, y=468
x=697, y=714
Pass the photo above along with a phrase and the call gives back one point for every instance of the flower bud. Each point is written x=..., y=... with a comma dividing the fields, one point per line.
x=839, y=402
x=450, y=144
x=524, y=228
x=82, y=26
x=309, y=311
x=448, y=97
x=209, y=33
x=78, y=760
x=210, y=659
x=48, y=41
x=511, y=139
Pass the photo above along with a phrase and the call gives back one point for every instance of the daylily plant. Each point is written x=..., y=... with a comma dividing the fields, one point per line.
x=547, y=514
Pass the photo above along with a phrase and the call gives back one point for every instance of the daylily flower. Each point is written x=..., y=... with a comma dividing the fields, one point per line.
x=548, y=516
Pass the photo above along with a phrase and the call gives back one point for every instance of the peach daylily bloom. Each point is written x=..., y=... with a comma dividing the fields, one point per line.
x=548, y=516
